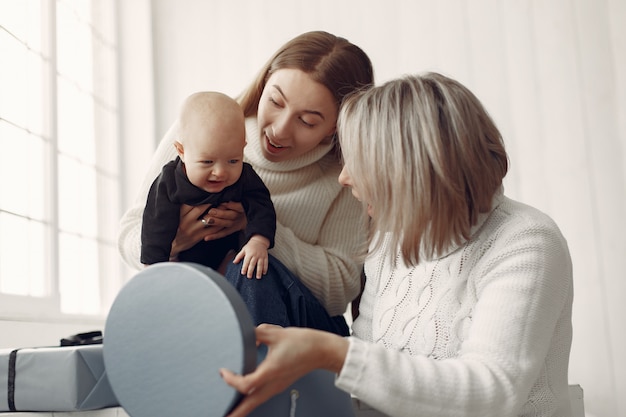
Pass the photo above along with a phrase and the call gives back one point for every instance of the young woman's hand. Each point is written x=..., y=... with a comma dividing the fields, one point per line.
x=292, y=353
x=218, y=222
x=190, y=229
x=225, y=219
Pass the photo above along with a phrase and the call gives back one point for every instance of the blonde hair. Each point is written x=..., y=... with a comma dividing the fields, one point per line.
x=428, y=156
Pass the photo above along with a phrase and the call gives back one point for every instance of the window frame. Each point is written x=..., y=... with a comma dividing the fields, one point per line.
x=48, y=308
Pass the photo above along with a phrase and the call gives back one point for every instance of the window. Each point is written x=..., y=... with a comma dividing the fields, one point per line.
x=60, y=160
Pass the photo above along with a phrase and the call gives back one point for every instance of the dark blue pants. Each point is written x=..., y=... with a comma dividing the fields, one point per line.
x=280, y=298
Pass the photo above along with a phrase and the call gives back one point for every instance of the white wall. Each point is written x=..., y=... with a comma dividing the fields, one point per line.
x=552, y=73
x=17, y=334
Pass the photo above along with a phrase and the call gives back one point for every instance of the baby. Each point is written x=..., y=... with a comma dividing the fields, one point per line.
x=209, y=169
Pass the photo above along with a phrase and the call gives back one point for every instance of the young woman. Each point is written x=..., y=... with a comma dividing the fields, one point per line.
x=468, y=295
x=291, y=114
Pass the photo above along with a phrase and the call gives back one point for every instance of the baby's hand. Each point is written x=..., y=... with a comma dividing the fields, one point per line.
x=254, y=255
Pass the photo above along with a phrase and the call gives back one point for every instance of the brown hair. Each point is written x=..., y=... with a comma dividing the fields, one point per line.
x=425, y=152
x=332, y=61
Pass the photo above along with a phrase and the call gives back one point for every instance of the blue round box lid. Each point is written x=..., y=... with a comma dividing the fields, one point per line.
x=169, y=331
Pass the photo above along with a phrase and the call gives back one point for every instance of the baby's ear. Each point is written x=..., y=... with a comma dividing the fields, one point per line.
x=179, y=149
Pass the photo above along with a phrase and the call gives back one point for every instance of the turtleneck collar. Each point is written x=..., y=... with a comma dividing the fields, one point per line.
x=254, y=154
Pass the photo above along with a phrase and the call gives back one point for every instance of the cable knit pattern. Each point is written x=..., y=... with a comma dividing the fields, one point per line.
x=483, y=329
x=319, y=227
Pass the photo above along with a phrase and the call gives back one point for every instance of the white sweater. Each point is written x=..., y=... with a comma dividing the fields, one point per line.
x=319, y=226
x=482, y=330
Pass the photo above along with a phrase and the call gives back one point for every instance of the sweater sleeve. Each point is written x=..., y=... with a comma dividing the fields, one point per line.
x=259, y=207
x=160, y=219
x=129, y=236
x=329, y=267
x=522, y=311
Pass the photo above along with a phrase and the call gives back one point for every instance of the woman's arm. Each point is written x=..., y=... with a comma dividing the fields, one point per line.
x=523, y=300
x=293, y=352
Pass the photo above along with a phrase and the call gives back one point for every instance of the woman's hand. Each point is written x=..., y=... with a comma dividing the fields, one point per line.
x=225, y=219
x=292, y=353
x=190, y=229
x=219, y=222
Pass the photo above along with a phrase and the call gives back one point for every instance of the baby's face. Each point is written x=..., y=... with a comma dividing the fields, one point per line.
x=213, y=157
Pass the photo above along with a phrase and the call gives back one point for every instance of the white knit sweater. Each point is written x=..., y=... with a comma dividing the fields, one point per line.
x=318, y=230
x=481, y=330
